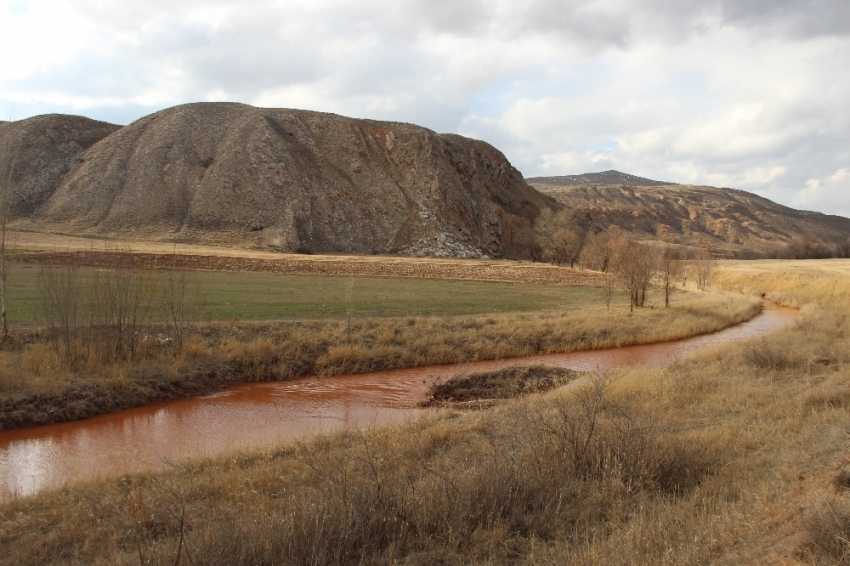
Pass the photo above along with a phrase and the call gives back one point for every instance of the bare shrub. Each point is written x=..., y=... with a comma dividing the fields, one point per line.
x=122, y=302
x=60, y=297
x=179, y=291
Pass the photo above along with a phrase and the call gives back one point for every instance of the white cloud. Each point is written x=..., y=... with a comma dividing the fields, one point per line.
x=746, y=93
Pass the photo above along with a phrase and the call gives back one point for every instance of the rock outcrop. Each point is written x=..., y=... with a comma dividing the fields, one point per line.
x=292, y=180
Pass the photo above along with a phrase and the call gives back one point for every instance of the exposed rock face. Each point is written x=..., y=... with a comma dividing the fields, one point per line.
x=295, y=180
x=40, y=151
x=728, y=221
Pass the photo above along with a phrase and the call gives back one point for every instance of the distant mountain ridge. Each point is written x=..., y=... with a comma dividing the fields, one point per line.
x=732, y=223
x=603, y=178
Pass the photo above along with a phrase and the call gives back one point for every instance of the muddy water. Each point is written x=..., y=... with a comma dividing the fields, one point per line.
x=257, y=415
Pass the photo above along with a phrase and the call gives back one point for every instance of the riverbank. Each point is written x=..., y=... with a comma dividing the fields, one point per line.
x=735, y=455
x=35, y=389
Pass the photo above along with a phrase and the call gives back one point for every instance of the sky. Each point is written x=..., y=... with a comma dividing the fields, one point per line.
x=748, y=94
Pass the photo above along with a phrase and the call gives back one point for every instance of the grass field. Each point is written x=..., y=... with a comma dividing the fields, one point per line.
x=222, y=296
x=737, y=455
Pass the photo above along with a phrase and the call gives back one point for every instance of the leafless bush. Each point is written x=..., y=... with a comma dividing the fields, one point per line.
x=179, y=290
x=59, y=292
x=122, y=302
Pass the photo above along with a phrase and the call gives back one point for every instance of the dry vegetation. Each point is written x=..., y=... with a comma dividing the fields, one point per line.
x=737, y=455
x=36, y=388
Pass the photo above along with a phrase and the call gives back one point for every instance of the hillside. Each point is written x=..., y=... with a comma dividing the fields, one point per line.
x=289, y=180
x=732, y=223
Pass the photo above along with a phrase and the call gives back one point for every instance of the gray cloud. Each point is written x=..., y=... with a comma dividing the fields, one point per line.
x=746, y=93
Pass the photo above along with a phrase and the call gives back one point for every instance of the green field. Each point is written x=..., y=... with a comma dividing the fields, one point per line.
x=274, y=296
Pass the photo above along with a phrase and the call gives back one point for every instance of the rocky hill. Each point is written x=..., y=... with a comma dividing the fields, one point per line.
x=732, y=223
x=604, y=178
x=39, y=153
x=291, y=180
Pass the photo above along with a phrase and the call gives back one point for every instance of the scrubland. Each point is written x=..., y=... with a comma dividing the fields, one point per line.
x=735, y=455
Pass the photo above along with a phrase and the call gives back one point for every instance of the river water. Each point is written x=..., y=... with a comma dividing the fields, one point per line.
x=262, y=414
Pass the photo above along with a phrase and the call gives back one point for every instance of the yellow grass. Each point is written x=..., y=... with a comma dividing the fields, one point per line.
x=737, y=455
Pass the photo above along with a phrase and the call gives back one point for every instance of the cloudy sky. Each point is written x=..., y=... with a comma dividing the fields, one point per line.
x=750, y=94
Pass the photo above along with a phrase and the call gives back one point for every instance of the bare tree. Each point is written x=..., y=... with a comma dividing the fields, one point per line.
x=704, y=265
x=844, y=248
x=670, y=268
x=638, y=267
x=349, y=303
x=612, y=283
x=60, y=297
x=559, y=235
x=177, y=296
x=803, y=248
x=122, y=303
x=599, y=251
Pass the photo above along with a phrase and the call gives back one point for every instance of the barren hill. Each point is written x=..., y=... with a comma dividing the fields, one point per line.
x=40, y=151
x=731, y=222
x=604, y=178
x=289, y=180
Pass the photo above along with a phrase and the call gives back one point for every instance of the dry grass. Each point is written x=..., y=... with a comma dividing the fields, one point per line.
x=724, y=458
x=35, y=388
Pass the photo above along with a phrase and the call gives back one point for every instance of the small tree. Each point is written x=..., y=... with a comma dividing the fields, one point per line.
x=704, y=266
x=670, y=269
x=60, y=296
x=638, y=267
x=803, y=248
x=599, y=251
x=559, y=235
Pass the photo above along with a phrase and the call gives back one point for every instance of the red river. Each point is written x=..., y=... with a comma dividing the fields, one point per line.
x=263, y=414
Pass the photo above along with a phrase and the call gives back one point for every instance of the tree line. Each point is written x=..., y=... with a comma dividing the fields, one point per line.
x=628, y=265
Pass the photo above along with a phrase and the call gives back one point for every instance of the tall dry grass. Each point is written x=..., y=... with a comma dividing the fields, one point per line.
x=37, y=388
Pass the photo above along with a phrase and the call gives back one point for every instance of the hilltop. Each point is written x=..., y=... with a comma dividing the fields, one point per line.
x=604, y=178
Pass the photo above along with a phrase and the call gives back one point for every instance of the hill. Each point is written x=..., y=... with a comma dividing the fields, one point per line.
x=40, y=151
x=731, y=222
x=604, y=178
x=289, y=180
